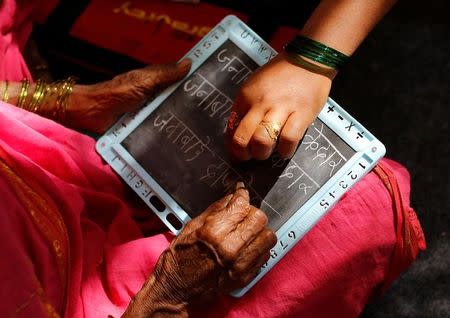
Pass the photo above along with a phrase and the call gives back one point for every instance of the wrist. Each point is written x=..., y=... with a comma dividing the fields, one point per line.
x=302, y=47
x=309, y=65
x=151, y=302
x=79, y=100
x=159, y=297
x=48, y=100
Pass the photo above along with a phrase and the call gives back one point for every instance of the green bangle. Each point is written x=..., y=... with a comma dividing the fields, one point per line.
x=301, y=62
x=316, y=57
x=302, y=40
x=316, y=51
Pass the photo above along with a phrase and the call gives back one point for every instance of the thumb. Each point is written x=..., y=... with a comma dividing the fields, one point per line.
x=159, y=76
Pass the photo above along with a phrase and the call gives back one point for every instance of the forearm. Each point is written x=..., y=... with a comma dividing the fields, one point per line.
x=344, y=24
x=10, y=91
x=51, y=100
x=59, y=101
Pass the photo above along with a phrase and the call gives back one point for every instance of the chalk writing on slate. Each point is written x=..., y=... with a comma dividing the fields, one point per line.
x=181, y=144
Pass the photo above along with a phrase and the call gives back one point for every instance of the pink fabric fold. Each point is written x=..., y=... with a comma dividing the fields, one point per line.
x=16, y=22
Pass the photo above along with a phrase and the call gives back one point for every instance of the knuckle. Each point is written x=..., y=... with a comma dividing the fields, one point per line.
x=270, y=238
x=260, y=140
x=134, y=77
x=192, y=224
x=245, y=91
x=261, y=156
x=241, y=204
x=239, y=142
x=208, y=234
x=228, y=252
x=238, y=269
x=289, y=140
x=265, y=257
x=246, y=278
x=260, y=216
x=247, y=233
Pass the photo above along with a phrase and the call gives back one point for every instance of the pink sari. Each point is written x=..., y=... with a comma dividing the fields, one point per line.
x=72, y=245
x=72, y=240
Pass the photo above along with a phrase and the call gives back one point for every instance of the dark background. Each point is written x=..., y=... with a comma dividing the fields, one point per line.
x=396, y=84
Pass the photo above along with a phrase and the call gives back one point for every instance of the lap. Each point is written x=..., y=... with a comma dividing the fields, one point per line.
x=332, y=271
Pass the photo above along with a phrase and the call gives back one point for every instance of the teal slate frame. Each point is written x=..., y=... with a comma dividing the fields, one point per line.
x=368, y=150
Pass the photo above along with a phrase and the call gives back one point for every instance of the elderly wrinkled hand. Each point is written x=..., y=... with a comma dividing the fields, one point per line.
x=96, y=107
x=220, y=250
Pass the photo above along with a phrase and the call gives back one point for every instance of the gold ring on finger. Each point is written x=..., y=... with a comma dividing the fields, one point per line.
x=273, y=128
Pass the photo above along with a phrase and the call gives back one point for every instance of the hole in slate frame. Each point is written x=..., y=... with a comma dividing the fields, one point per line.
x=174, y=221
x=157, y=203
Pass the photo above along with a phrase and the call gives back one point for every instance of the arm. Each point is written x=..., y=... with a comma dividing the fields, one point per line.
x=344, y=24
x=290, y=96
x=95, y=107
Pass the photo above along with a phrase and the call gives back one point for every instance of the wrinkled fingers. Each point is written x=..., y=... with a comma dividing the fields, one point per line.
x=244, y=233
x=254, y=255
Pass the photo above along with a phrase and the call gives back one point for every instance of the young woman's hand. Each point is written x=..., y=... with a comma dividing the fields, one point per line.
x=220, y=250
x=274, y=108
x=96, y=107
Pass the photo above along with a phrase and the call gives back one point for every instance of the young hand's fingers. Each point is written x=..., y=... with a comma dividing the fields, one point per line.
x=291, y=134
x=265, y=137
x=237, y=113
x=240, y=140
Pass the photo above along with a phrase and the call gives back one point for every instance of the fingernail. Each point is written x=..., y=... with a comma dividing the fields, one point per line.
x=240, y=185
x=184, y=63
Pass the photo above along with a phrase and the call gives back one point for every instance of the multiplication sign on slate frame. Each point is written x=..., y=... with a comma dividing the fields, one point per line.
x=186, y=131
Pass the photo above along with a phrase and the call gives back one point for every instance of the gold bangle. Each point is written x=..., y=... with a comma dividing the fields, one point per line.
x=69, y=91
x=48, y=92
x=5, y=97
x=64, y=90
x=33, y=105
x=57, y=107
x=23, y=92
x=40, y=98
